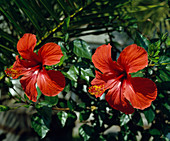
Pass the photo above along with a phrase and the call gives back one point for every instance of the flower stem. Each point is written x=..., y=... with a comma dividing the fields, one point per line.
x=60, y=109
x=92, y=108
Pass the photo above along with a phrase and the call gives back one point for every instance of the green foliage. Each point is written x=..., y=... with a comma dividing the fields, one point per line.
x=84, y=115
x=4, y=108
x=142, y=41
x=153, y=51
x=155, y=132
x=66, y=118
x=81, y=49
x=150, y=115
x=124, y=119
x=39, y=92
x=86, y=132
x=51, y=100
x=39, y=125
x=62, y=116
x=40, y=121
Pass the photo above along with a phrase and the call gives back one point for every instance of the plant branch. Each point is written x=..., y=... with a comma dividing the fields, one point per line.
x=48, y=34
x=4, y=47
x=92, y=108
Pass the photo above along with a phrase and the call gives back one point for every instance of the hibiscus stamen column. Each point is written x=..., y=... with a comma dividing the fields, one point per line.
x=12, y=72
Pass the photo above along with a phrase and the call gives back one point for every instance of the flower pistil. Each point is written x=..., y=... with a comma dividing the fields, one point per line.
x=96, y=90
x=12, y=72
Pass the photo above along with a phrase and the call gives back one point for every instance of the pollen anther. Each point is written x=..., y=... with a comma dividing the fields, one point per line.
x=96, y=90
x=12, y=73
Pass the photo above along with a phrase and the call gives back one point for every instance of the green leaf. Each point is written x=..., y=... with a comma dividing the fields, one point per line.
x=140, y=123
x=12, y=20
x=64, y=6
x=66, y=119
x=150, y=115
x=101, y=138
x=4, y=108
x=26, y=106
x=62, y=104
x=142, y=41
x=63, y=58
x=86, y=132
x=66, y=24
x=101, y=121
x=39, y=92
x=62, y=116
x=163, y=75
x=82, y=105
x=49, y=8
x=9, y=83
x=124, y=119
x=167, y=106
x=41, y=120
x=71, y=118
x=35, y=10
x=69, y=105
x=153, y=51
x=84, y=115
x=39, y=125
x=30, y=15
x=168, y=41
x=46, y=113
x=137, y=74
x=87, y=72
x=154, y=132
x=8, y=49
x=63, y=46
x=164, y=37
x=51, y=100
x=8, y=37
x=81, y=48
x=72, y=73
x=164, y=59
x=66, y=37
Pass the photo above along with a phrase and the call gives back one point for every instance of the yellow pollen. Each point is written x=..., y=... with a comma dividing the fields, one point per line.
x=12, y=72
x=96, y=90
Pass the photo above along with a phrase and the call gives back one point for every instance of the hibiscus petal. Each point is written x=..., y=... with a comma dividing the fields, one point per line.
x=102, y=82
x=50, y=54
x=50, y=82
x=28, y=82
x=17, y=69
x=98, y=84
x=105, y=79
x=20, y=67
x=25, y=46
x=116, y=99
x=102, y=59
x=133, y=58
x=140, y=92
x=98, y=80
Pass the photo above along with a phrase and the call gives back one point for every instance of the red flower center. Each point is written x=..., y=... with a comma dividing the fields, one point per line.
x=100, y=89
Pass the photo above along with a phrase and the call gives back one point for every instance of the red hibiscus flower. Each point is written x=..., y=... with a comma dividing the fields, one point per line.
x=32, y=68
x=124, y=92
